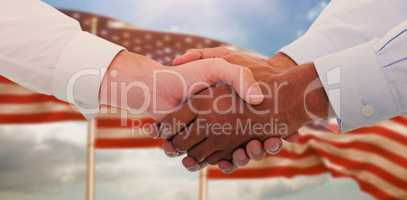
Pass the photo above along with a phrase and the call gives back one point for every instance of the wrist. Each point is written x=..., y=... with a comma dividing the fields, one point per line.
x=316, y=102
x=125, y=69
x=281, y=60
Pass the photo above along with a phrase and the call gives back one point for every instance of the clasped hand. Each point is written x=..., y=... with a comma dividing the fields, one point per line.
x=215, y=126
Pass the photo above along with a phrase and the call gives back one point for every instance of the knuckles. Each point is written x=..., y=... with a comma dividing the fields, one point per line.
x=224, y=144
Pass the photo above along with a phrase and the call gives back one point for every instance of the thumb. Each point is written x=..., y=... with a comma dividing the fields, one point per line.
x=215, y=70
x=189, y=56
x=198, y=54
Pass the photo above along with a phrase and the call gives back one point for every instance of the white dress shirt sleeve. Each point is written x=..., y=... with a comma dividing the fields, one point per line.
x=364, y=78
x=367, y=83
x=46, y=51
x=344, y=24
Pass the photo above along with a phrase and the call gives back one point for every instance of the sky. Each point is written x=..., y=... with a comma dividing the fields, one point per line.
x=260, y=25
x=46, y=161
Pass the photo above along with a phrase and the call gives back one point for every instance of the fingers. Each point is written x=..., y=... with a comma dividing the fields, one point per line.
x=189, y=56
x=192, y=165
x=273, y=145
x=240, y=158
x=197, y=54
x=218, y=156
x=240, y=78
x=170, y=150
x=255, y=150
x=202, y=150
x=154, y=130
x=174, y=122
x=188, y=138
x=226, y=166
x=216, y=70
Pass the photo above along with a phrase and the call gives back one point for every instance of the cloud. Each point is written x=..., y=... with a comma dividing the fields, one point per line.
x=32, y=165
x=263, y=188
x=314, y=12
x=27, y=166
x=47, y=162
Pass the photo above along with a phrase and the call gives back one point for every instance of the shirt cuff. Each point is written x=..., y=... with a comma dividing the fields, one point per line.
x=308, y=47
x=80, y=70
x=357, y=87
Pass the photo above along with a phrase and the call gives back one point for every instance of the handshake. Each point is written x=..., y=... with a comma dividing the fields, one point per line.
x=229, y=107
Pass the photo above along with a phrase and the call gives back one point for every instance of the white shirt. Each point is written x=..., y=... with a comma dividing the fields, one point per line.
x=360, y=52
x=46, y=51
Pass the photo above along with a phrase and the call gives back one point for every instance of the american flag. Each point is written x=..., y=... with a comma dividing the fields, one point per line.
x=375, y=157
x=20, y=105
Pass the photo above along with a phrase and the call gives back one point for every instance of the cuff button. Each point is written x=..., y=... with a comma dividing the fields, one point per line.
x=368, y=110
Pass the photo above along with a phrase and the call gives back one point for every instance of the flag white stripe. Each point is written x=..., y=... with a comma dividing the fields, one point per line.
x=356, y=156
x=112, y=133
x=386, y=143
x=14, y=89
x=370, y=178
x=278, y=161
x=117, y=113
x=35, y=108
x=394, y=126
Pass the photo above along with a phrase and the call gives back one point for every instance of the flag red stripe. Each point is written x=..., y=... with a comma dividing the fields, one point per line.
x=400, y=120
x=268, y=172
x=5, y=80
x=119, y=123
x=349, y=164
x=28, y=99
x=124, y=143
x=356, y=165
x=40, y=118
x=294, y=156
x=363, y=146
x=384, y=132
x=364, y=186
x=373, y=190
x=247, y=173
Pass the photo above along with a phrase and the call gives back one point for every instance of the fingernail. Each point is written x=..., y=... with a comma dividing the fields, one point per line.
x=257, y=151
x=255, y=95
x=193, y=169
x=165, y=132
x=250, y=154
x=274, y=148
x=239, y=161
x=180, y=151
x=255, y=155
x=172, y=154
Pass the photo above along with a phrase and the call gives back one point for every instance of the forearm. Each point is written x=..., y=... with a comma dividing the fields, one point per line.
x=343, y=24
x=316, y=102
x=297, y=91
x=46, y=51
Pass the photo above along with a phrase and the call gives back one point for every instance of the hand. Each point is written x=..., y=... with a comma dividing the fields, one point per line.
x=288, y=110
x=142, y=85
x=255, y=150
